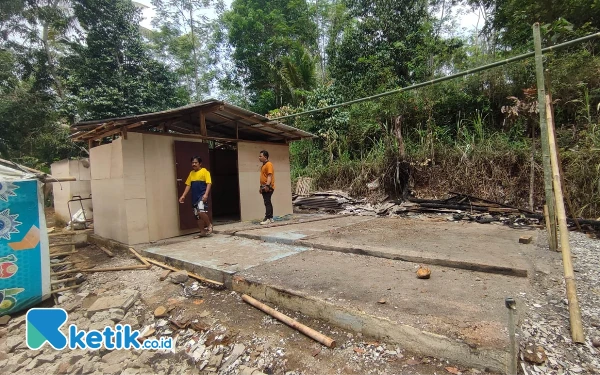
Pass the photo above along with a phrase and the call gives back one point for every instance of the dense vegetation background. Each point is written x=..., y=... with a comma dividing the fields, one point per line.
x=67, y=60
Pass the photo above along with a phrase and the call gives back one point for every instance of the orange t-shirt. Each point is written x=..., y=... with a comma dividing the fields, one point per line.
x=265, y=170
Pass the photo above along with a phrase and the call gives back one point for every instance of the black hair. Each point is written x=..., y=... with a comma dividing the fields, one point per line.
x=196, y=158
x=265, y=153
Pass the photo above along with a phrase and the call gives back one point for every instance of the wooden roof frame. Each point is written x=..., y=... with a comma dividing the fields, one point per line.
x=197, y=120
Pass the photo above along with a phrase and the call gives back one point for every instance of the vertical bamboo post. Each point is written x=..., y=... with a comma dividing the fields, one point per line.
x=539, y=70
x=560, y=169
x=574, y=312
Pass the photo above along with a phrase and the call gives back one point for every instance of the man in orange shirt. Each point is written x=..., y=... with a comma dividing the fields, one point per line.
x=267, y=185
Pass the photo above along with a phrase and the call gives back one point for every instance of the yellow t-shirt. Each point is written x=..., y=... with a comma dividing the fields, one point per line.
x=265, y=170
x=198, y=180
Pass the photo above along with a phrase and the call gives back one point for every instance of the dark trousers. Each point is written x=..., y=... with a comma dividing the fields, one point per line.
x=268, y=205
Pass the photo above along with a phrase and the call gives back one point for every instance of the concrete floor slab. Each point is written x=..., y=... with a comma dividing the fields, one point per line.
x=456, y=314
x=219, y=256
x=305, y=230
x=479, y=247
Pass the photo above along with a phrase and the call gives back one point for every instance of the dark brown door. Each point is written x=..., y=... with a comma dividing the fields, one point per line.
x=184, y=151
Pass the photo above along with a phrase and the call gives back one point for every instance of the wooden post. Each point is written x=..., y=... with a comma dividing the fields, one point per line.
x=539, y=67
x=237, y=130
x=574, y=312
x=203, y=124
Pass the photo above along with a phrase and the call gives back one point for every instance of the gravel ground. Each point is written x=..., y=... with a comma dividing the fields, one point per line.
x=547, y=323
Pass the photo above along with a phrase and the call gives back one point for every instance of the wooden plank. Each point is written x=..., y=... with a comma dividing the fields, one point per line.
x=62, y=253
x=54, y=282
x=141, y=259
x=190, y=274
x=164, y=275
x=74, y=270
x=65, y=288
x=106, y=251
x=65, y=244
x=124, y=268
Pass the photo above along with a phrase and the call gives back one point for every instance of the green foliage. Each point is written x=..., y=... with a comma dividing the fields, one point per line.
x=273, y=40
x=112, y=74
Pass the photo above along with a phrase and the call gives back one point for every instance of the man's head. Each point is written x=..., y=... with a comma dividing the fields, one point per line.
x=263, y=156
x=196, y=163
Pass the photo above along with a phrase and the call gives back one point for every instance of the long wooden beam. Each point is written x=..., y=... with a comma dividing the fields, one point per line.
x=114, y=130
x=209, y=138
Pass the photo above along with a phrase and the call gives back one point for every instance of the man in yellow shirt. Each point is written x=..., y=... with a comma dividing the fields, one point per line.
x=199, y=182
x=267, y=185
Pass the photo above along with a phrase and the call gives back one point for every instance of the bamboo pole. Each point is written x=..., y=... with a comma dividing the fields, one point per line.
x=560, y=169
x=539, y=67
x=574, y=312
x=317, y=336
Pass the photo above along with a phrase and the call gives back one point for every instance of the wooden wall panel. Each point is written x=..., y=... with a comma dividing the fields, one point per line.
x=161, y=188
x=252, y=206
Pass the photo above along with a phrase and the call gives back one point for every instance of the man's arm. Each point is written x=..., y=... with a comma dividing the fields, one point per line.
x=185, y=192
x=205, y=196
x=269, y=177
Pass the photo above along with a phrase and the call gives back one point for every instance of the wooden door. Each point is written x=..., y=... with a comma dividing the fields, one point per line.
x=184, y=151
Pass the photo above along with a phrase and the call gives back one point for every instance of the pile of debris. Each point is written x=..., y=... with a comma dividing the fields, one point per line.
x=457, y=207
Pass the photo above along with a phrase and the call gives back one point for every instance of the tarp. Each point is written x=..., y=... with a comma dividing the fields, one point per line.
x=24, y=251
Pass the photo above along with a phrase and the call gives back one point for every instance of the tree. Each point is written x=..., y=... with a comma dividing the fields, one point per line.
x=112, y=73
x=186, y=39
x=373, y=43
x=263, y=34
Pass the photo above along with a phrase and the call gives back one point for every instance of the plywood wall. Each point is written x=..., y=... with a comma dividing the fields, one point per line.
x=108, y=198
x=252, y=206
x=65, y=191
x=161, y=187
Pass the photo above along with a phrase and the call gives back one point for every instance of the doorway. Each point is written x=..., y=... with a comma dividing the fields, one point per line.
x=222, y=163
x=225, y=178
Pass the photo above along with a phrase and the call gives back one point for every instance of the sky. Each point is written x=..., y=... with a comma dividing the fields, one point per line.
x=467, y=20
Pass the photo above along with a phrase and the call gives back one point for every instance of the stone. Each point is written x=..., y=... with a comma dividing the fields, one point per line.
x=63, y=368
x=47, y=358
x=123, y=301
x=130, y=371
x=12, y=342
x=178, y=277
x=89, y=368
x=113, y=369
x=75, y=358
x=4, y=320
x=534, y=354
x=116, y=315
x=116, y=356
x=525, y=239
x=33, y=364
x=596, y=342
x=160, y=312
x=238, y=350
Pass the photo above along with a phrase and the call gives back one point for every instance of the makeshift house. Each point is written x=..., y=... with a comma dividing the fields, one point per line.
x=24, y=251
x=139, y=165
